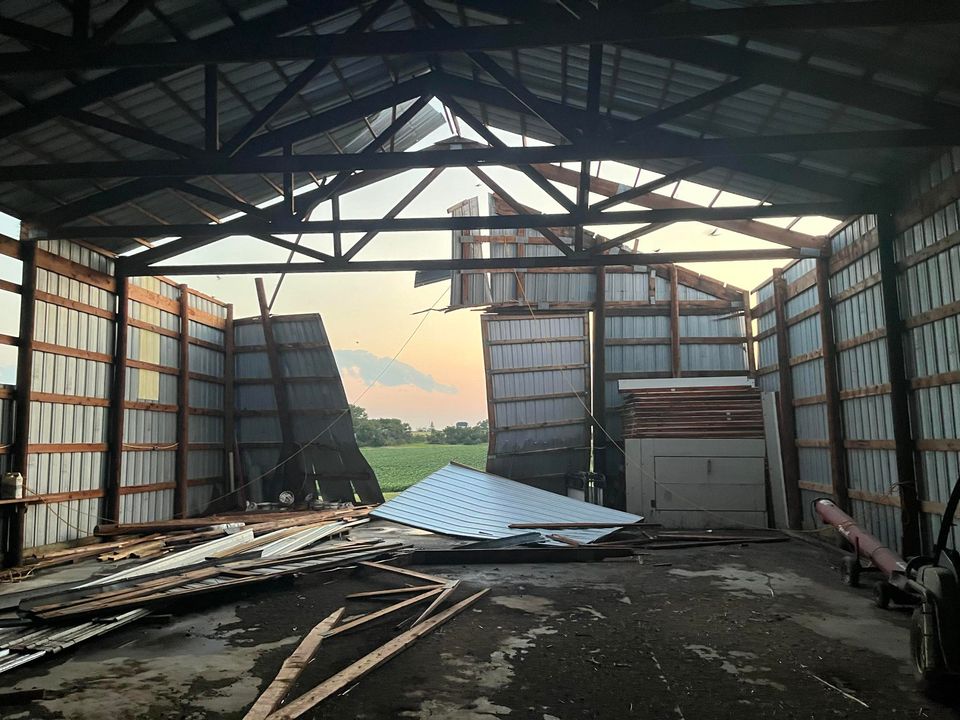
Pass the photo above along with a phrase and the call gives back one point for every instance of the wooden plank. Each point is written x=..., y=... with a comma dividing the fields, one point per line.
x=181, y=496
x=70, y=399
x=748, y=331
x=907, y=473
x=71, y=352
x=12, y=546
x=155, y=300
x=117, y=393
x=74, y=305
x=437, y=602
x=675, y=358
x=433, y=579
x=599, y=395
x=938, y=313
x=229, y=438
x=788, y=427
x=377, y=594
x=368, y=663
x=385, y=612
x=292, y=668
x=838, y=465
x=152, y=487
x=290, y=469
x=867, y=337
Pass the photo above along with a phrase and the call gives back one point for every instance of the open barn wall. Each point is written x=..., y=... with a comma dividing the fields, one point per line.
x=104, y=374
x=882, y=443
x=546, y=329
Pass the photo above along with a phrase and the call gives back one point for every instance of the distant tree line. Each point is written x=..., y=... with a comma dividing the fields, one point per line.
x=380, y=432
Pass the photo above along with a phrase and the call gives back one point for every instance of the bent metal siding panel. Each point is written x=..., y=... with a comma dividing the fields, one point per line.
x=538, y=380
x=328, y=460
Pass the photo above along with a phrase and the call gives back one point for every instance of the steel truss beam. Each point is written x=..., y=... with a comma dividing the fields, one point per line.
x=618, y=24
x=659, y=147
x=762, y=167
x=277, y=22
x=766, y=68
x=265, y=142
x=293, y=226
x=127, y=268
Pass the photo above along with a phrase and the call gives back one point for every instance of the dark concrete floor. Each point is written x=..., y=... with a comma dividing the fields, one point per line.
x=722, y=632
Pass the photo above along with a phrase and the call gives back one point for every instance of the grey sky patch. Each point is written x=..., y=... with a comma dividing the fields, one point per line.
x=368, y=366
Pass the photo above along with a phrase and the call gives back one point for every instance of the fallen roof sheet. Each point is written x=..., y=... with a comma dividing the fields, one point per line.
x=463, y=502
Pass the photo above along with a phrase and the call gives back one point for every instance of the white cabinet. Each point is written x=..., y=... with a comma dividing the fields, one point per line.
x=697, y=483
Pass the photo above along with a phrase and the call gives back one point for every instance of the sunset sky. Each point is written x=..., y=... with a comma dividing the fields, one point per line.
x=438, y=377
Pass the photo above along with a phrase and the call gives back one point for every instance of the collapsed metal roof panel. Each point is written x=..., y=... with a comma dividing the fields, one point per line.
x=461, y=501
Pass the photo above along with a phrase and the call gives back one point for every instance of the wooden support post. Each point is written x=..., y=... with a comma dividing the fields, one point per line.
x=279, y=387
x=180, y=500
x=13, y=547
x=907, y=476
x=229, y=468
x=748, y=334
x=788, y=423
x=675, y=361
x=599, y=374
x=838, y=468
x=111, y=510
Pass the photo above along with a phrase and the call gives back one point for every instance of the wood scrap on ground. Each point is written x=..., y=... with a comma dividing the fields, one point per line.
x=292, y=668
x=370, y=662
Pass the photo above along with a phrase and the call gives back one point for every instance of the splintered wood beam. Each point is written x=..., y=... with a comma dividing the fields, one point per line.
x=385, y=612
x=292, y=668
x=367, y=664
x=752, y=228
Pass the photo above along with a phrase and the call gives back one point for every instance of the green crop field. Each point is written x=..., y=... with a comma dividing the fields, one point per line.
x=400, y=466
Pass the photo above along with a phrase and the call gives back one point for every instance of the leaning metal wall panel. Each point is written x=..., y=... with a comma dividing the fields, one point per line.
x=538, y=380
x=327, y=458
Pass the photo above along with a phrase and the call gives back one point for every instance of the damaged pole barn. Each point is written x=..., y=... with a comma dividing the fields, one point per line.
x=699, y=500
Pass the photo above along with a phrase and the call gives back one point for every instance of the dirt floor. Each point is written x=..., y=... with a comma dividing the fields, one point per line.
x=761, y=631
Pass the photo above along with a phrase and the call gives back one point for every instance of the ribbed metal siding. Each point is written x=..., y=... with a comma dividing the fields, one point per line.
x=58, y=423
x=933, y=348
x=863, y=370
x=327, y=431
x=518, y=370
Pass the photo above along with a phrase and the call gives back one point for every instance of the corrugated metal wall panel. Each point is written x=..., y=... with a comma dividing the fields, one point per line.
x=331, y=459
x=930, y=283
x=516, y=449
x=51, y=470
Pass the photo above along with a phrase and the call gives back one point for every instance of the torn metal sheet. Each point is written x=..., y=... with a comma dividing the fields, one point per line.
x=463, y=502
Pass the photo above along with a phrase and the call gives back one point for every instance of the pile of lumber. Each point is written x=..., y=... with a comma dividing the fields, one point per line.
x=223, y=560
x=154, y=539
x=429, y=590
